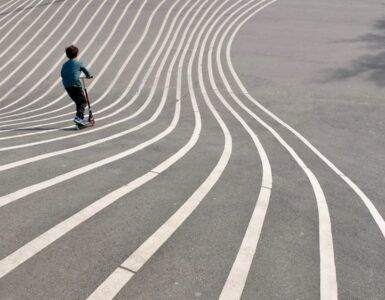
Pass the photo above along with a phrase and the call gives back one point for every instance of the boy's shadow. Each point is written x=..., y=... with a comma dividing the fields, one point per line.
x=39, y=129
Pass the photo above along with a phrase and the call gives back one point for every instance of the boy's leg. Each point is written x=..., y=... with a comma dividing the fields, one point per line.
x=77, y=95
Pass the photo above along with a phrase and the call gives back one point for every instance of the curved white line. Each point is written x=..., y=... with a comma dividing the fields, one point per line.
x=19, y=9
x=9, y=198
x=15, y=55
x=119, y=98
x=33, y=247
x=26, y=43
x=122, y=68
x=120, y=276
x=94, y=58
x=114, y=136
x=42, y=60
x=7, y=5
x=9, y=31
x=368, y=203
x=328, y=278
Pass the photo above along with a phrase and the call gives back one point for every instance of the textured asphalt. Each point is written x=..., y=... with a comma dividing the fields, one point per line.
x=317, y=66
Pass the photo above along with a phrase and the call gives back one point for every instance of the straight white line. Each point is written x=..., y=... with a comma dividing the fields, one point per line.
x=94, y=58
x=328, y=278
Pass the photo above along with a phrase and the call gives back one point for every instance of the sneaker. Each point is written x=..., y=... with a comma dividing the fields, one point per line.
x=80, y=121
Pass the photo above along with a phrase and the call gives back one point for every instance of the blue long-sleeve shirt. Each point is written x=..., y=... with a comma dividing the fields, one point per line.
x=70, y=73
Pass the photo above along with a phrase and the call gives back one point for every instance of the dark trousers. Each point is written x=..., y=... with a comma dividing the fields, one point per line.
x=77, y=95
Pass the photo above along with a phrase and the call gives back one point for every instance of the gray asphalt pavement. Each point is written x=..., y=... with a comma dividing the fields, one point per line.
x=238, y=150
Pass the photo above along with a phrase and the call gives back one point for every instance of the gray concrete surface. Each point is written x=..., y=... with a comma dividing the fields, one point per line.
x=319, y=66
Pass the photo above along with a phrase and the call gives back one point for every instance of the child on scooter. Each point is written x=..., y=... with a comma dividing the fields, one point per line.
x=70, y=74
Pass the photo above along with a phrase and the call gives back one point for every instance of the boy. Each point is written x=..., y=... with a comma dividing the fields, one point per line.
x=70, y=74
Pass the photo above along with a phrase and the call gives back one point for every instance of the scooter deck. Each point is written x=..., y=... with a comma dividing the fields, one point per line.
x=79, y=126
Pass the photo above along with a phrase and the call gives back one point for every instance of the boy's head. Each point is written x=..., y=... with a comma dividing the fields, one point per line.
x=72, y=52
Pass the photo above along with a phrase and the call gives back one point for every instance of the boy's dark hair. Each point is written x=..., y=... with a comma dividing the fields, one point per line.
x=72, y=52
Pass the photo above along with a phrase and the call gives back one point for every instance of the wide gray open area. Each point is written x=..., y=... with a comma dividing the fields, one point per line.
x=238, y=150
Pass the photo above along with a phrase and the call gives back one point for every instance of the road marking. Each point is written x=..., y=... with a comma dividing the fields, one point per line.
x=120, y=71
x=12, y=114
x=156, y=114
x=33, y=247
x=32, y=38
x=120, y=98
x=18, y=9
x=115, y=282
x=328, y=278
x=10, y=30
x=240, y=269
x=369, y=204
x=7, y=5
x=42, y=60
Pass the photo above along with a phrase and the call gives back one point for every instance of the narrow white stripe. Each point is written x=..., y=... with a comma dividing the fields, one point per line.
x=14, y=16
x=84, y=50
x=113, y=286
x=10, y=30
x=328, y=284
x=43, y=59
x=33, y=247
x=7, y=5
x=26, y=44
x=140, y=256
x=114, y=136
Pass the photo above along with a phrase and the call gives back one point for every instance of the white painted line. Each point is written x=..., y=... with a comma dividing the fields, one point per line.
x=9, y=31
x=69, y=175
x=368, y=203
x=43, y=59
x=30, y=27
x=328, y=279
x=113, y=286
x=33, y=247
x=136, y=260
x=22, y=254
x=18, y=9
x=160, y=49
x=27, y=43
x=238, y=275
x=84, y=50
x=7, y=5
x=119, y=73
x=139, y=126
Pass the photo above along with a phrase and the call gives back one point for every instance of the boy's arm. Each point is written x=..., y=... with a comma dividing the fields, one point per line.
x=85, y=71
